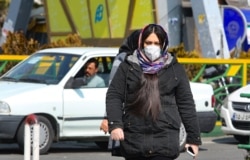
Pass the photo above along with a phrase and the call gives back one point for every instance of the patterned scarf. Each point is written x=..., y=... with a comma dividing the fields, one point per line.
x=150, y=67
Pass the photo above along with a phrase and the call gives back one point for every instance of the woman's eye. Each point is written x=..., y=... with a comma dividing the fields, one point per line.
x=150, y=43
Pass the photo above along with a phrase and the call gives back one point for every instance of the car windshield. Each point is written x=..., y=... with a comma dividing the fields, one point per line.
x=48, y=68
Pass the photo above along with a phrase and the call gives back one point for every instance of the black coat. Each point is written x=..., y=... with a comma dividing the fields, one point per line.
x=144, y=137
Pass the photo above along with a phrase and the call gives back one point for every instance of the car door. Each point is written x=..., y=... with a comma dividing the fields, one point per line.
x=84, y=108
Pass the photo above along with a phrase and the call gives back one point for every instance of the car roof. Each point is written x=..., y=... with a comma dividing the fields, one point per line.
x=81, y=50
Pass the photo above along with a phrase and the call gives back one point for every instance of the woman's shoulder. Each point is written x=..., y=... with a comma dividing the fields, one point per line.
x=124, y=66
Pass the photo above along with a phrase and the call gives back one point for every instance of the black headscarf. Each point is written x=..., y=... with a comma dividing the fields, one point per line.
x=130, y=43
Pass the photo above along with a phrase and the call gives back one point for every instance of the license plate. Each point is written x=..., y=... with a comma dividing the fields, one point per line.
x=241, y=117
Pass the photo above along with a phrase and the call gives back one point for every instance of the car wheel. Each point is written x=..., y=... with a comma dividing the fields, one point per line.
x=183, y=136
x=242, y=139
x=46, y=135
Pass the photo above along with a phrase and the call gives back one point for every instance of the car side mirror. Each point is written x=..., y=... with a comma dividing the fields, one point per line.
x=78, y=82
x=75, y=83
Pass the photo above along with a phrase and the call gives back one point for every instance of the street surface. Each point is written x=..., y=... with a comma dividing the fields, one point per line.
x=213, y=148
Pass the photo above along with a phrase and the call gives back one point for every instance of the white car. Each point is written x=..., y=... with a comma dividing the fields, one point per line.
x=235, y=114
x=47, y=84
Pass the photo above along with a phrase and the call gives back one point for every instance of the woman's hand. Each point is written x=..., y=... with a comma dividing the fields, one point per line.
x=195, y=149
x=104, y=126
x=117, y=134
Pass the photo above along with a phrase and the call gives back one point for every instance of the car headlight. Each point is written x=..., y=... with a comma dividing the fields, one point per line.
x=4, y=107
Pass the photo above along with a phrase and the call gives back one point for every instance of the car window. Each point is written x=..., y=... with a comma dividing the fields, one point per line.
x=104, y=68
x=47, y=68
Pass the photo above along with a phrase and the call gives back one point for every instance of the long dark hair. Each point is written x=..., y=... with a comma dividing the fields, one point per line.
x=147, y=100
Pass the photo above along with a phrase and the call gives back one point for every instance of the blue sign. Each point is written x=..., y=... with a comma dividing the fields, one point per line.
x=99, y=13
x=234, y=26
x=246, y=43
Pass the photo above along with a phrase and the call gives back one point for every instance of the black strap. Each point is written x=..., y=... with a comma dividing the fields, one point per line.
x=125, y=91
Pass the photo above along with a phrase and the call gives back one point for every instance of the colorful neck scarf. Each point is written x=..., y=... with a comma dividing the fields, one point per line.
x=150, y=67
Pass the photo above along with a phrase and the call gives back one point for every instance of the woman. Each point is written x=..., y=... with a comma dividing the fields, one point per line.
x=148, y=99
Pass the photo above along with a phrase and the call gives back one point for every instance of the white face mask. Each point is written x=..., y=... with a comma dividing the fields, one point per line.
x=152, y=52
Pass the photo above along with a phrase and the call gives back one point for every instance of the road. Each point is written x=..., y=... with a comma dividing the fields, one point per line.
x=213, y=148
